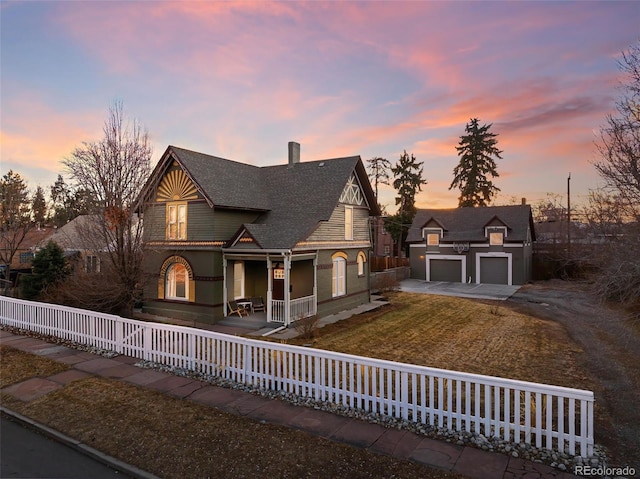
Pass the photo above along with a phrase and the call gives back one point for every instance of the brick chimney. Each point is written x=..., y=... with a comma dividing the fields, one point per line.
x=294, y=153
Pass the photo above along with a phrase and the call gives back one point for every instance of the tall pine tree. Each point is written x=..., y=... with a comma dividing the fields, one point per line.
x=408, y=181
x=477, y=151
x=39, y=207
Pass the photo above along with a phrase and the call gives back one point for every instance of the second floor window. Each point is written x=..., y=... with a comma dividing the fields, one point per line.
x=348, y=223
x=177, y=221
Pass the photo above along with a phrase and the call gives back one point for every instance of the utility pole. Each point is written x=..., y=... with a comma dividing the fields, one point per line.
x=569, y=216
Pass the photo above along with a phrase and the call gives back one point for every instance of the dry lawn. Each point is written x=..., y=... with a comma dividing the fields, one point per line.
x=459, y=334
x=18, y=366
x=174, y=438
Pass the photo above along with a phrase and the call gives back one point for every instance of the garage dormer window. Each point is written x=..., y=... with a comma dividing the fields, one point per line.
x=432, y=236
x=496, y=238
x=496, y=235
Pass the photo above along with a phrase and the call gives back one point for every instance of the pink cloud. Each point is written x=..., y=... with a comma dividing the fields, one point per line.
x=40, y=136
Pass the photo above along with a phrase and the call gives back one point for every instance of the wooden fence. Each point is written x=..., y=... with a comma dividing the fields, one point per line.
x=380, y=263
x=550, y=417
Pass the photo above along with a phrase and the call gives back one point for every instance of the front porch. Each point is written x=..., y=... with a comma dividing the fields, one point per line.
x=286, y=282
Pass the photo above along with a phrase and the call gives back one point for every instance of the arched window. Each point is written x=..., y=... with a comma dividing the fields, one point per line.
x=339, y=275
x=176, y=280
x=362, y=259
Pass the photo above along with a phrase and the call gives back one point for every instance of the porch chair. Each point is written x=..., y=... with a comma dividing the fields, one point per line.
x=235, y=308
x=257, y=304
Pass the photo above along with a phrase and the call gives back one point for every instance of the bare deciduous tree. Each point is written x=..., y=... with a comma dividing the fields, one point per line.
x=616, y=212
x=378, y=169
x=615, y=248
x=114, y=169
x=619, y=143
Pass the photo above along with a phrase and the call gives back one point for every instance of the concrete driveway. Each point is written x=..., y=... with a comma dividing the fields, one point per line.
x=498, y=292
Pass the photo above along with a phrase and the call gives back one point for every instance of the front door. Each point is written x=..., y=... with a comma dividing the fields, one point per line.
x=278, y=284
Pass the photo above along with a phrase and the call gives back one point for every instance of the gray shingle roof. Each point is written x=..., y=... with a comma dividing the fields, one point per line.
x=300, y=197
x=225, y=183
x=293, y=198
x=467, y=224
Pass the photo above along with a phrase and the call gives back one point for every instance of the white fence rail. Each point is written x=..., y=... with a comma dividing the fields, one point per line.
x=546, y=416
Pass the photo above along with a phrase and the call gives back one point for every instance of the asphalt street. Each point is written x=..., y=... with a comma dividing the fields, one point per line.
x=25, y=453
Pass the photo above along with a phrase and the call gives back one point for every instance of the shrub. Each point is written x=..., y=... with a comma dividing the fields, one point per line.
x=306, y=327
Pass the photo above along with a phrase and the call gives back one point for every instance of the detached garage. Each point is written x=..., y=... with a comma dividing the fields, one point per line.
x=492, y=244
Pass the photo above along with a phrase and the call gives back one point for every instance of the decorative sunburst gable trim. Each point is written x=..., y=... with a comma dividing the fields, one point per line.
x=175, y=186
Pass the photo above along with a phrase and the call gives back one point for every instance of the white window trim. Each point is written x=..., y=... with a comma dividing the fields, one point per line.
x=426, y=230
x=488, y=229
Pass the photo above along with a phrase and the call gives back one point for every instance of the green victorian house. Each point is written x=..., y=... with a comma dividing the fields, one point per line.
x=296, y=235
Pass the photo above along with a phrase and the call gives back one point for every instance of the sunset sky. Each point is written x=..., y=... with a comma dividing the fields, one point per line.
x=241, y=79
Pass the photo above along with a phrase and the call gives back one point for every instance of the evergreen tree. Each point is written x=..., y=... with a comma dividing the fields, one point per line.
x=477, y=150
x=39, y=207
x=408, y=181
x=68, y=202
x=48, y=268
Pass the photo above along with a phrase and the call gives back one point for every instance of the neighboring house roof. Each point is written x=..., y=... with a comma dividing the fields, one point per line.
x=293, y=198
x=80, y=234
x=468, y=224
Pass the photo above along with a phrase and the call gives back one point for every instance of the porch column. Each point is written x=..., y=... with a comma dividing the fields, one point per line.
x=224, y=285
x=269, y=290
x=315, y=284
x=287, y=290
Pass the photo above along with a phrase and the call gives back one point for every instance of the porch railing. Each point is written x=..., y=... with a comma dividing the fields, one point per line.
x=549, y=417
x=298, y=308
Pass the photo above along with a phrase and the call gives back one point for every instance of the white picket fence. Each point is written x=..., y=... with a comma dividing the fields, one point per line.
x=550, y=417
